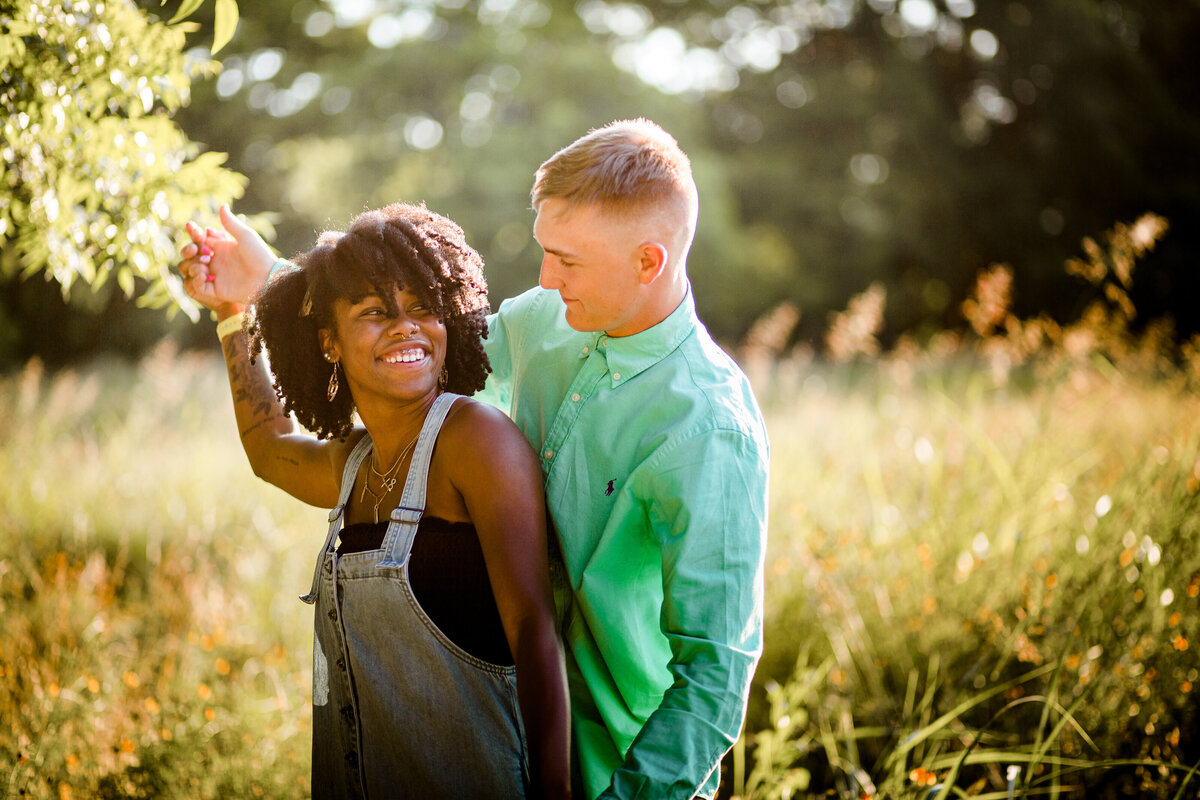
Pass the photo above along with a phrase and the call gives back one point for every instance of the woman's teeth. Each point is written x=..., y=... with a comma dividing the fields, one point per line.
x=406, y=357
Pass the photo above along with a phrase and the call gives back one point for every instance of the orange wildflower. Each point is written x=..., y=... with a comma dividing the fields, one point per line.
x=922, y=777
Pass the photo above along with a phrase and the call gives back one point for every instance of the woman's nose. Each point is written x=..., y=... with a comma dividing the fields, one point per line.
x=403, y=326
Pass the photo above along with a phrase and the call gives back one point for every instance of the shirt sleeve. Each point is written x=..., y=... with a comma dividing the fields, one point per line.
x=707, y=501
x=499, y=348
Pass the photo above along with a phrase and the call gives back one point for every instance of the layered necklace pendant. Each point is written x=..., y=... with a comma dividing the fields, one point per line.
x=387, y=479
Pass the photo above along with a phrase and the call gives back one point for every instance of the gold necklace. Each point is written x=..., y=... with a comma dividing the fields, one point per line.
x=387, y=480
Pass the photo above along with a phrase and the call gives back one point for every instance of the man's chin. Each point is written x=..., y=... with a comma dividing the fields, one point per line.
x=574, y=319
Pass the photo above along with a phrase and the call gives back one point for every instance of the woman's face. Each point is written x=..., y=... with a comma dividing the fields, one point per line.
x=387, y=357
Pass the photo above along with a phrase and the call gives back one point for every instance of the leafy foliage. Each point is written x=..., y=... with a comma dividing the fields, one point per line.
x=838, y=144
x=97, y=179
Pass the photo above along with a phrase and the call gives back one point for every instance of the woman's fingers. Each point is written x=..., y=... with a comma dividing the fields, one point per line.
x=198, y=282
x=196, y=232
x=227, y=265
x=234, y=224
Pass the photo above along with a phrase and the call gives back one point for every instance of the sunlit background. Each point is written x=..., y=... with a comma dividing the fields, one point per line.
x=837, y=144
x=951, y=243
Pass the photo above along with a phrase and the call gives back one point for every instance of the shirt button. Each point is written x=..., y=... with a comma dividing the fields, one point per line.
x=549, y=454
x=616, y=376
x=587, y=350
x=575, y=397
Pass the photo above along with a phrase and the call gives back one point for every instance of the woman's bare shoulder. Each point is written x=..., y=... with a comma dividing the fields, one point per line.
x=482, y=432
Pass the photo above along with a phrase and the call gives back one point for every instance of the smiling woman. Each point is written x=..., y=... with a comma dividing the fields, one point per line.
x=385, y=321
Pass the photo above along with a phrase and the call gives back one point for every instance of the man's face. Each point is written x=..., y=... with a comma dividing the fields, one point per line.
x=591, y=260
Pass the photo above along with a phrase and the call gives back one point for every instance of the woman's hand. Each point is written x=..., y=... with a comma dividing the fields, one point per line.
x=224, y=269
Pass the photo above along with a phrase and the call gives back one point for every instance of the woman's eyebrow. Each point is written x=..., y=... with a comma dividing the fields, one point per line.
x=356, y=300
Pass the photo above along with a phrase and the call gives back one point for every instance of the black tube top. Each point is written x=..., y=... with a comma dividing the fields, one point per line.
x=449, y=578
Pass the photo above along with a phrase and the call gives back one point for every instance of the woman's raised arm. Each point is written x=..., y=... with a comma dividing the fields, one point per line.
x=222, y=271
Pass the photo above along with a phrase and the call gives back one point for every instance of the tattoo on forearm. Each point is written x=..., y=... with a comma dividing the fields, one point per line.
x=288, y=460
x=249, y=382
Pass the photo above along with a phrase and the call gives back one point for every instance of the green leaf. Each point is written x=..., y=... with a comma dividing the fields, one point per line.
x=224, y=23
x=186, y=9
x=125, y=281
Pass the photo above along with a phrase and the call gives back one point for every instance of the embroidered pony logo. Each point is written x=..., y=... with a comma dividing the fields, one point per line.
x=609, y=490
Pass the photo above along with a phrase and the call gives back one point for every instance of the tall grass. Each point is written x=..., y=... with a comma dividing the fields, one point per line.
x=151, y=640
x=963, y=578
x=983, y=575
x=983, y=569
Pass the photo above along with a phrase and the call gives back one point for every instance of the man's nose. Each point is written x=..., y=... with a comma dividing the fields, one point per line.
x=547, y=277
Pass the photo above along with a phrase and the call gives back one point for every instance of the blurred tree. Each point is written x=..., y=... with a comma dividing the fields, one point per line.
x=917, y=141
x=836, y=142
x=455, y=105
x=97, y=179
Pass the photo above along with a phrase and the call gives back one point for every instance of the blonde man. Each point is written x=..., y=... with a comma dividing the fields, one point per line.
x=655, y=460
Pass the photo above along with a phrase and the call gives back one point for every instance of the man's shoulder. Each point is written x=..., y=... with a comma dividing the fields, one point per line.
x=532, y=305
x=713, y=385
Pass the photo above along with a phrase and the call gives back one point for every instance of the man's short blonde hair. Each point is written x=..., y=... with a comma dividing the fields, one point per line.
x=626, y=166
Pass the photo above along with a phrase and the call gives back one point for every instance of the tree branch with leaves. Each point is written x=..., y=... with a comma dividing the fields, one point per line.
x=97, y=181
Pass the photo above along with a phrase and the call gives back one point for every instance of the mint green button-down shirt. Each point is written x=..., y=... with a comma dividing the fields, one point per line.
x=655, y=459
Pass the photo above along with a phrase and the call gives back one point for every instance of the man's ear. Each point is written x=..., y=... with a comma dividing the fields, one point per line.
x=652, y=260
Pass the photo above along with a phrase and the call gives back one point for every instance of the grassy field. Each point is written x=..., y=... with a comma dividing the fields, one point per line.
x=991, y=591
x=978, y=583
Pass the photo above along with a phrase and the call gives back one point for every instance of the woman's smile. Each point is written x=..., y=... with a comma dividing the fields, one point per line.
x=390, y=352
x=411, y=355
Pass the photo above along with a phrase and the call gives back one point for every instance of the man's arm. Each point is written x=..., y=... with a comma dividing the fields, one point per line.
x=708, y=507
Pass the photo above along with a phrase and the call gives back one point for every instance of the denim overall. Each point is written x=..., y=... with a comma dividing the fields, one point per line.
x=398, y=709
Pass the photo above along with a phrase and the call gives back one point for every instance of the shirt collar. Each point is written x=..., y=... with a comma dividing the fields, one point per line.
x=627, y=356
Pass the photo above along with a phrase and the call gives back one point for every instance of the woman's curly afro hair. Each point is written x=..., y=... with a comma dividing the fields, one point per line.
x=399, y=246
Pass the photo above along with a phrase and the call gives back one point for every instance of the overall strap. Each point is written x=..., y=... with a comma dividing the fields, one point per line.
x=397, y=542
x=355, y=460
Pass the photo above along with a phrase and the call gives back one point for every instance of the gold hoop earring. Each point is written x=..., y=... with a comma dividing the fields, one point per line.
x=333, y=382
x=443, y=378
